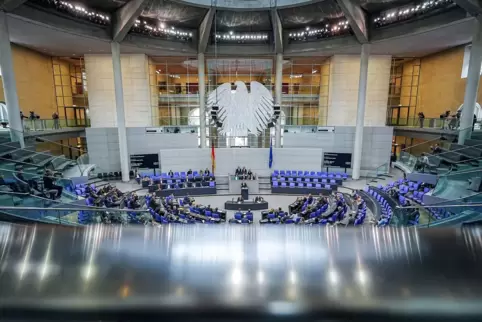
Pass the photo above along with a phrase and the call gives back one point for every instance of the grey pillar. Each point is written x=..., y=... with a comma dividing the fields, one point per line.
x=278, y=96
x=202, y=98
x=360, y=115
x=9, y=84
x=121, y=119
x=471, y=85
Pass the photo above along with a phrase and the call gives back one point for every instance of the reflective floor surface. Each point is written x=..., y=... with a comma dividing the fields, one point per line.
x=275, y=270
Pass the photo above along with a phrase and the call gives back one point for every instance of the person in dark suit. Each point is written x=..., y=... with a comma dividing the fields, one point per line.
x=49, y=183
x=244, y=185
x=170, y=173
x=189, y=172
x=207, y=172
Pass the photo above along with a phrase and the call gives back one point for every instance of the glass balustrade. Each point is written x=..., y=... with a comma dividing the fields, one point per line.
x=33, y=182
x=378, y=172
x=443, y=214
x=28, y=208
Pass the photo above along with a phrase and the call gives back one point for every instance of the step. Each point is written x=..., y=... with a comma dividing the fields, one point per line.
x=472, y=142
x=471, y=152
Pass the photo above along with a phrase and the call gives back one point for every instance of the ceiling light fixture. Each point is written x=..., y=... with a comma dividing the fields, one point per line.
x=410, y=11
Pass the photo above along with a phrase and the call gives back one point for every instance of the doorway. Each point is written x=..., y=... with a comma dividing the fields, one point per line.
x=75, y=116
x=398, y=116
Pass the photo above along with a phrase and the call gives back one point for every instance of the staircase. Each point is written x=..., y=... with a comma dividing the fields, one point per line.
x=264, y=184
x=222, y=185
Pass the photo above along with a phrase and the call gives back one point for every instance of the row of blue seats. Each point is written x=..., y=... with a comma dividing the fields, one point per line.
x=301, y=185
x=306, y=180
x=182, y=174
x=315, y=174
x=387, y=211
x=80, y=189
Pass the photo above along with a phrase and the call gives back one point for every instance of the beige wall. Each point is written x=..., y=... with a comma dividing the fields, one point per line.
x=344, y=81
x=441, y=87
x=137, y=95
x=35, y=82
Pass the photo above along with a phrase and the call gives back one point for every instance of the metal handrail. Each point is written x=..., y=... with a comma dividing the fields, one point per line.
x=461, y=172
x=40, y=139
x=461, y=198
x=19, y=162
x=443, y=206
x=403, y=150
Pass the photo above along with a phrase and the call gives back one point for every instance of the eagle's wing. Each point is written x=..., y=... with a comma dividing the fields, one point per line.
x=221, y=97
x=260, y=108
x=240, y=112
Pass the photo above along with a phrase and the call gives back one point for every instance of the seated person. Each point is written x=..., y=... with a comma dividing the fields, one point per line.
x=310, y=198
x=156, y=206
x=436, y=148
x=250, y=174
x=112, y=201
x=208, y=208
x=244, y=171
x=383, y=221
x=240, y=200
x=279, y=212
x=49, y=183
x=170, y=173
x=189, y=172
x=249, y=212
x=146, y=179
x=187, y=200
x=207, y=172
x=238, y=171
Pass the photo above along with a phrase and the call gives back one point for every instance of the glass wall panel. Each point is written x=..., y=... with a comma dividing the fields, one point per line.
x=175, y=92
x=174, y=82
x=71, y=91
x=305, y=90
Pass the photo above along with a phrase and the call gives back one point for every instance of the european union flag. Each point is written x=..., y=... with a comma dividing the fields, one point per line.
x=270, y=153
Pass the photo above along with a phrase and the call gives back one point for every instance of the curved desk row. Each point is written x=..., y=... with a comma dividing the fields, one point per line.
x=303, y=190
x=186, y=191
x=246, y=205
x=372, y=204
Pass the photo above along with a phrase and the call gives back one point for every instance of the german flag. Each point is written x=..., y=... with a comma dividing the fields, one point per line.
x=213, y=158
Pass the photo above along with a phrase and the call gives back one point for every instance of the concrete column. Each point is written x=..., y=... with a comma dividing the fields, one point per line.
x=202, y=98
x=121, y=119
x=9, y=84
x=360, y=116
x=278, y=96
x=471, y=85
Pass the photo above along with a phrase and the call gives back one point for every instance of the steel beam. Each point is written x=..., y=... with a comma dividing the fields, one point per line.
x=205, y=30
x=277, y=31
x=125, y=17
x=10, y=5
x=356, y=18
x=472, y=7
